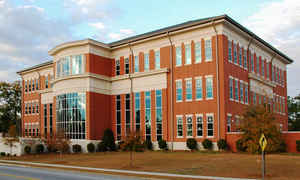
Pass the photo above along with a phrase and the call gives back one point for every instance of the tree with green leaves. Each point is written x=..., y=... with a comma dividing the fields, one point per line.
x=10, y=106
x=12, y=138
x=294, y=113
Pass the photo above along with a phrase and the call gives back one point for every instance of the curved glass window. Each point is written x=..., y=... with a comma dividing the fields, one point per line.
x=70, y=65
x=71, y=114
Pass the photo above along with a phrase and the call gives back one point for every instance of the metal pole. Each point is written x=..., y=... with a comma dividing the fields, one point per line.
x=263, y=164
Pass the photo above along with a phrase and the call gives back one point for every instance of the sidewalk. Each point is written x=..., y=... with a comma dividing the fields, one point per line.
x=123, y=171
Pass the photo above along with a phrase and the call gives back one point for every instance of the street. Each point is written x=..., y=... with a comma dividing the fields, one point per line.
x=10, y=172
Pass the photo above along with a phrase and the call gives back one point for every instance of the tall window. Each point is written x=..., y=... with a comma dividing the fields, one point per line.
x=208, y=50
x=29, y=109
x=127, y=112
x=25, y=86
x=37, y=84
x=29, y=85
x=246, y=94
x=245, y=59
x=46, y=82
x=229, y=51
x=188, y=87
x=273, y=74
x=199, y=94
x=178, y=90
x=236, y=90
x=158, y=95
x=65, y=66
x=228, y=123
x=37, y=107
x=50, y=118
x=240, y=56
x=58, y=68
x=252, y=62
x=198, y=55
x=77, y=64
x=230, y=88
x=210, y=125
x=45, y=120
x=157, y=59
x=33, y=108
x=118, y=120
x=148, y=115
x=71, y=114
x=179, y=126
x=137, y=111
x=33, y=82
x=178, y=56
x=189, y=125
x=242, y=92
x=235, y=53
x=188, y=58
x=126, y=66
x=199, y=124
x=136, y=63
x=146, y=63
x=209, y=87
x=257, y=65
x=254, y=98
x=26, y=107
x=263, y=68
x=117, y=67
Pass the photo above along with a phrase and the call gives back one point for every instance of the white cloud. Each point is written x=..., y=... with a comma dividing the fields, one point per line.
x=127, y=31
x=98, y=25
x=279, y=24
x=123, y=33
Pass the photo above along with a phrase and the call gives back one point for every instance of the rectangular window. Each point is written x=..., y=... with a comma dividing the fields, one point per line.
x=118, y=120
x=188, y=89
x=228, y=123
x=199, y=94
x=188, y=52
x=189, y=125
x=37, y=84
x=26, y=107
x=254, y=98
x=117, y=67
x=235, y=53
x=179, y=126
x=208, y=50
x=229, y=51
x=37, y=107
x=257, y=65
x=242, y=92
x=33, y=108
x=268, y=70
x=127, y=112
x=45, y=120
x=157, y=59
x=199, y=124
x=65, y=66
x=50, y=119
x=137, y=111
x=25, y=84
x=246, y=94
x=231, y=88
x=252, y=62
x=240, y=56
x=136, y=63
x=259, y=98
x=77, y=64
x=33, y=82
x=263, y=68
x=272, y=68
x=126, y=66
x=198, y=56
x=158, y=95
x=58, y=68
x=29, y=109
x=148, y=115
x=29, y=85
x=178, y=90
x=46, y=82
x=178, y=56
x=245, y=59
x=236, y=90
x=209, y=87
x=210, y=125
x=146, y=63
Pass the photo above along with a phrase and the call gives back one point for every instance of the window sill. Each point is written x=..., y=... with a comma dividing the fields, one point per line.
x=178, y=101
x=198, y=62
x=178, y=65
x=209, y=98
x=187, y=64
x=208, y=60
x=199, y=99
x=199, y=136
x=188, y=100
x=210, y=137
x=179, y=137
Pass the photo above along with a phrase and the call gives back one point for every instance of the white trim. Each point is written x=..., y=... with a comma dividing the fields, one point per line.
x=209, y=115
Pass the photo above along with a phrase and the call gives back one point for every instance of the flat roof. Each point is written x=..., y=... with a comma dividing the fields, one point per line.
x=36, y=66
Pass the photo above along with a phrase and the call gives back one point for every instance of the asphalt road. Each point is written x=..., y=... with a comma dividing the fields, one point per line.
x=10, y=172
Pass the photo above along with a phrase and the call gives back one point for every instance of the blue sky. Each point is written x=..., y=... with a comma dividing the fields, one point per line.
x=31, y=27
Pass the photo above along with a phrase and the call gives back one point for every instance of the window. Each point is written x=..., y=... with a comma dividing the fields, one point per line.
x=209, y=87
x=230, y=88
x=29, y=83
x=117, y=67
x=178, y=56
x=127, y=112
x=268, y=70
x=235, y=53
x=189, y=125
x=71, y=114
x=136, y=63
x=240, y=56
x=246, y=94
x=158, y=95
x=199, y=124
x=126, y=66
x=178, y=90
x=45, y=120
x=245, y=59
x=33, y=108
x=148, y=115
x=252, y=62
x=283, y=105
x=198, y=53
x=37, y=84
x=236, y=90
x=146, y=63
x=29, y=109
x=199, y=93
x=263, y=68
x=254, y=98
x=188, y=89
x=179, y=126
x=77, y=64
x=188, y=58
x=65, y=66
x=26, y=107
x=46, y=82
x=118, y=120
x=137, y=111
x=210, y=125
x=25, y=86
x=58, y=68
x=50, y=119
x=157, y=59
x=37, y=107
x=33, y=81
x=257, y=65
x=273, y=76
x=242, y=92
x=229, y=51
x=228, y=123
x=208, y=50
x=259, y=98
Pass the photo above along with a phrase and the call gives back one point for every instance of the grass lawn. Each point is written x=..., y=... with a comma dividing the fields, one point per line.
x=279, y=166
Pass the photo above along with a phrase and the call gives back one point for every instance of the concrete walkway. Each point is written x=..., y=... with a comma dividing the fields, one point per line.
x=145, y=173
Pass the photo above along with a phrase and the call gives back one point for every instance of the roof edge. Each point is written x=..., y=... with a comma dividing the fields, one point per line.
x=35, y=67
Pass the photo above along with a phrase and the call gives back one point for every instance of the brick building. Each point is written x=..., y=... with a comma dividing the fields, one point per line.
x=189, y=80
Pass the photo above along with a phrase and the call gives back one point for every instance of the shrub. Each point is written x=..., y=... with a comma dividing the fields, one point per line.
x=101, y=147
x=298, y=145
x=282, y=147
x=207, y=144
x=162, y=144
x=148, y=144
x=240, y=145
x=118, y=146
x=2, y=154
x=191, y=143
x=39, y=148
x=133, y=142
x=91, y=147
x=27, y=149
x=222, y=144
x=76, y=148
x=109, y=140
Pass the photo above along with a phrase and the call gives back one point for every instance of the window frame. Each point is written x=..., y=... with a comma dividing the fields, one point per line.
x=207, y=77
x=197, y=123
x=207, y=123
x=187, y=81
x=199, y=78
x=208, y=50
x=187, y=125
x=177, y=88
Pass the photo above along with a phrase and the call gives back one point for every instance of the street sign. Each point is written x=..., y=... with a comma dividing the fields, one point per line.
x=263, y=142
